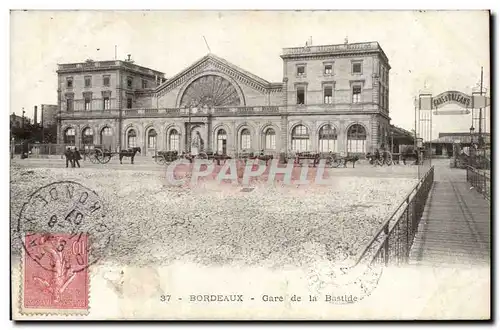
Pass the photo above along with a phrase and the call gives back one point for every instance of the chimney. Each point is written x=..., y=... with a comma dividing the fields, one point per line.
x=35, y=118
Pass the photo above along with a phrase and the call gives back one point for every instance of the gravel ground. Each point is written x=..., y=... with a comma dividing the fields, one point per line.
x=272, y=226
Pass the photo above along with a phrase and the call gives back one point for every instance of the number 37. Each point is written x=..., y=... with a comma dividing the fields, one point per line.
x=164, y=298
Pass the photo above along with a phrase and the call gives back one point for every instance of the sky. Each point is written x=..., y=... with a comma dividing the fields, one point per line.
x=429, y=51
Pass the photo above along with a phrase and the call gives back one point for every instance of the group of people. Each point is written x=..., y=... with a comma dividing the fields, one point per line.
x=72, y=157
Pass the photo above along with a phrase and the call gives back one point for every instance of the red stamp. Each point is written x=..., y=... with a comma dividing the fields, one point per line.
x=55, y=273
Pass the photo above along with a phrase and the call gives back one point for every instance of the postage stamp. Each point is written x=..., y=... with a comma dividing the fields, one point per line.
x=63, y=232
x=65, y=287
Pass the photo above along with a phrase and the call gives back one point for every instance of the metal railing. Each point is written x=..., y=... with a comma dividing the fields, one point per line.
x=393, y=241
x=480, y=180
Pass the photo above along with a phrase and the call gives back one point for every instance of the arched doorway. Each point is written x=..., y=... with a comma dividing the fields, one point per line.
x=87, y=138
x=356, y=139
x=245, y=140
x=106, y=136
x=70, y=137
x=300, y=138
x=270, y=139
x=173, y=140
x=131, y=139
x=151, y=140
x=327, y=139
x=197, y=142
x=221, y=142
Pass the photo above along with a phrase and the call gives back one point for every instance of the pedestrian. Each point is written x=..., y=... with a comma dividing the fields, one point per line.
x=69, y=157
x=76, y=157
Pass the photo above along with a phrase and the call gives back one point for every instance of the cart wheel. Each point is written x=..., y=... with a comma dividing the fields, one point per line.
x=202, y=155
x=93, y=159
x=102, y=156
x=160, y=160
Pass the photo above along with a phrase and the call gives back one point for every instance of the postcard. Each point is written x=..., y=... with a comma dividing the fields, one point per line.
x=250, y=165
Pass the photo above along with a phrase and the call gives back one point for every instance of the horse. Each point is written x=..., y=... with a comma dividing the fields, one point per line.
x=263, y=157
x=129, y=153
x=350, y=159
x=217, y=158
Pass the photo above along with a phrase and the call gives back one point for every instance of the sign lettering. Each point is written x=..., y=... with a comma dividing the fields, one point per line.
x=463, y=100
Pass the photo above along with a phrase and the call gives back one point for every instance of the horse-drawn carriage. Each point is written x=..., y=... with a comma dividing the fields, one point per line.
x=101, y=154
x=381, y=157
x=167, y=157
x=331, y=159
x=255, y=156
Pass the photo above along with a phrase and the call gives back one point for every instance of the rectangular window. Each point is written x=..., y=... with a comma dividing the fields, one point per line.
x=129, y=103
x=144, y=83
x=88, y=102
x=105, y=81
x=130, y=81
x=301, y=70
x=328, y=69
x=88, y=81
x=328, y=98
x=356, y=94
x=107, y=103
x=301, y=95
x=356, y=67
x=69, y=104
x=69, y=82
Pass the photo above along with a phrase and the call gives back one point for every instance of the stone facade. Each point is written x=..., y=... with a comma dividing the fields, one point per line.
x=229, y=109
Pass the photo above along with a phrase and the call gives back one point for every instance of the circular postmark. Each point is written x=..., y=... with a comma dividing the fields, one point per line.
x=63, y=224
x=343, y=282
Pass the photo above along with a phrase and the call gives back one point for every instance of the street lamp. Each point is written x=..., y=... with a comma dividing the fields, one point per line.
x=471, y=129
x=471, y=149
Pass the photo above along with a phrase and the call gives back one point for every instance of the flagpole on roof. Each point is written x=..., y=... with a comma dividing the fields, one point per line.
x=206, y=43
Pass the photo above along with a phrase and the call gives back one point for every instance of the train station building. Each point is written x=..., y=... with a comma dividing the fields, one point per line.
x=332, y=98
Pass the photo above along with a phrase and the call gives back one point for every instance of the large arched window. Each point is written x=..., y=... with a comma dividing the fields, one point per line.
x=300, y=138
x=356, y=139
x=270, y=139
x=69, y=136
x=245, y=139
x=152, y=139
x=221, y=141
x=106, y=137
x=87, y=137
x=174, y=140
x=327, y=139
x=131, y=138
